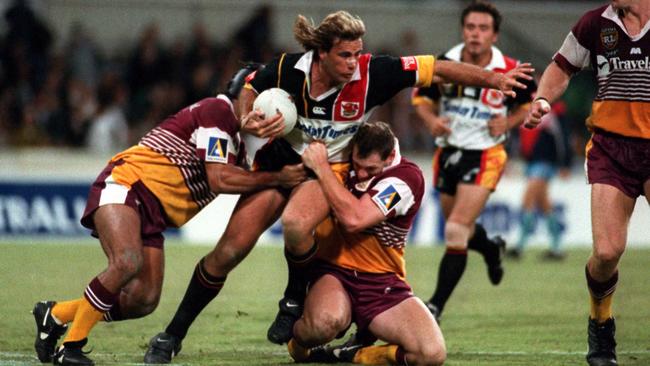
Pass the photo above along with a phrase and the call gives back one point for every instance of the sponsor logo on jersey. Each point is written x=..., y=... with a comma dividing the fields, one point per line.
x=609, y=37
x=318, y=110
x=635, y=51
x=326, y=132
x=217, y=150
x=409, y=63
x=474, y=112
x=349, y=109
x=387, y=199
x=605, y=66
x=493, y=98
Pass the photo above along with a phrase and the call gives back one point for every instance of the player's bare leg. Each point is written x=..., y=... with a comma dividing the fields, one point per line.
x=253, y=214
x=328, y=312
x=118, y=227
x=412, y=334
x=306, y=208
x=141, y=295
x=610, y=216
x=532, y=199
x=461, y=212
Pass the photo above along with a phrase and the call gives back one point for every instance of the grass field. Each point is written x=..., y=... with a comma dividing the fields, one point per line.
x=537, y=316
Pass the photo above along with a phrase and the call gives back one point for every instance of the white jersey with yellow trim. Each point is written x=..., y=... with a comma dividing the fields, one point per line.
x=470, y=108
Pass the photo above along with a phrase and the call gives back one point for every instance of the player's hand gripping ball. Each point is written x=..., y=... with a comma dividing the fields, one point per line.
x=274, y=100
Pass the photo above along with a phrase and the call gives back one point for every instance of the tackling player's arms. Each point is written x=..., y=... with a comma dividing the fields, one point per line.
x=228, y=178
x=354, y=214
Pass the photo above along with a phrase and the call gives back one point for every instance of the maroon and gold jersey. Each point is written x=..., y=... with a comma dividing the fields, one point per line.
x=622, y=65
x=170, y=159
x=335, y=116
x=397, y=192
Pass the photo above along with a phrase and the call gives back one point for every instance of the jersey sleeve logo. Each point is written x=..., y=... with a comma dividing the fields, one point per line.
x=387, y=199
x=217, y=150
x=409, y=63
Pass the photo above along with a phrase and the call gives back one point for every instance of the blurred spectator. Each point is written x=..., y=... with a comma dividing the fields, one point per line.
x=547, y=152
x=26, y=46
x=108, y=132
x=409, y=129
x=255, y=35
x=148, y=65
x=84, y=60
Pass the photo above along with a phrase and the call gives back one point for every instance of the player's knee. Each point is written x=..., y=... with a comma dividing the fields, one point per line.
x=148, y=304
x=223, y=259
x=293, y=225
x=431, y=355
x=127, y=264
x=324, y=325
x=607, y=253
x=456, y=234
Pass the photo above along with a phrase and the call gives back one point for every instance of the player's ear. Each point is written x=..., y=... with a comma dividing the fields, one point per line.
x=390, y=158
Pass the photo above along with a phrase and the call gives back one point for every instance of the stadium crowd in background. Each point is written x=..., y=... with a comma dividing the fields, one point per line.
x=52, y=96
x=56, y=97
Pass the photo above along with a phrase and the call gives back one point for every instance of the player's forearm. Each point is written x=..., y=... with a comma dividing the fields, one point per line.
x=467, y=74
x=232, y=179
x=343, y=203
x=246, y=99
x=427, y=114
x=517, y=117
x=553, y=83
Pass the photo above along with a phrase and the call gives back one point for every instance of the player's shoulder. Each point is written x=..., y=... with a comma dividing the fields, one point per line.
x=218, y=104
x=406, y=171
x=592, y=18
x=291, y=58
x=215, y=111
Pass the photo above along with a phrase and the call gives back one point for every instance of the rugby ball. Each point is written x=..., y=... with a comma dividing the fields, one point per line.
x=274, y=100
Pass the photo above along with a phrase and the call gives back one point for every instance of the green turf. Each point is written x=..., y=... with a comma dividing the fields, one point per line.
x=536, y=317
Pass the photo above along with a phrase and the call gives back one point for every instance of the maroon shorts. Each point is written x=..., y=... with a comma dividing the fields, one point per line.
x=619, y=161
x=370, y=293
x=106, y=190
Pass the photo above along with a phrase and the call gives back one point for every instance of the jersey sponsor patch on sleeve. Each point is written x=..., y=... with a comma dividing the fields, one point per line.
x=409, y=63
x=387, y=199
x=217, y=150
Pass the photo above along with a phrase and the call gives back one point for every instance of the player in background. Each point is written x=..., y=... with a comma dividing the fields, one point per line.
x=547, y=153
x=359, y=275
x=335, y=87
x=176, y=169
x=613, y=40
x=470, y=125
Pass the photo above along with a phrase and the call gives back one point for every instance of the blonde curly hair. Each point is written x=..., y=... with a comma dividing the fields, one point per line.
x=340, y=25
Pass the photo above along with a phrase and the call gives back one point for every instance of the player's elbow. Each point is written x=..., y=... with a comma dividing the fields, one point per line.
x=351, y=223
x=217, y=184
x=217, y=178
